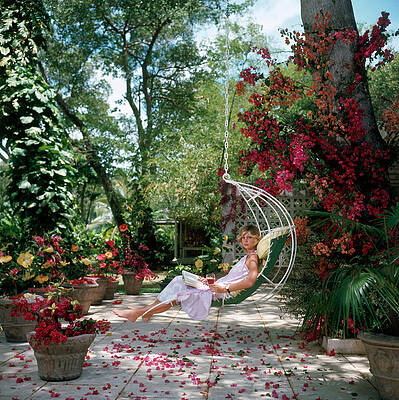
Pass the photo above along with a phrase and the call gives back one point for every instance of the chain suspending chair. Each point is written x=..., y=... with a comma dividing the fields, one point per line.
x=269, y=215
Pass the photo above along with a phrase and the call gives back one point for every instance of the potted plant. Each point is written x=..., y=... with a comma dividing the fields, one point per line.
x=132, y=264
x=16, y=316
x=15, y=278
x=364, y=296
x=84, y=290
x=66, y=261
x=60, y=350
x=135, y=269
x=107, y=269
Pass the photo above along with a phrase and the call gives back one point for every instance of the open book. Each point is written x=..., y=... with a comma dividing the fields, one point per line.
x=191, y=279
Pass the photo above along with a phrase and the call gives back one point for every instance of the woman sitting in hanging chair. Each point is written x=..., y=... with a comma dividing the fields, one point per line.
x=196, y=302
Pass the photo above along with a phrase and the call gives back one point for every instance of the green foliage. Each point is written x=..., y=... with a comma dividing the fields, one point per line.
x=176, y=270
x=165, y=245
x=303, y=281
x=40, y=173
x=213, y=259
x=384, y=87
x=365, y=293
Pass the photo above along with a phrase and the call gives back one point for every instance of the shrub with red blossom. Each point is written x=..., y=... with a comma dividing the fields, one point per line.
x=311, y=133
x=118, y=258
x=49, y=313
x=306, y=132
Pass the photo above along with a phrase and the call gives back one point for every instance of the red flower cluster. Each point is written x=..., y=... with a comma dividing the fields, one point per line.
x=324, y=149
x=118, y=261
x=82, y=281
x=49, y=312
x=134, y=262
x=109, y=262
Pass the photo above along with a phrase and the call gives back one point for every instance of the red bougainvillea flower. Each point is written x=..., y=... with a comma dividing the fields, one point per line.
x=123, y=228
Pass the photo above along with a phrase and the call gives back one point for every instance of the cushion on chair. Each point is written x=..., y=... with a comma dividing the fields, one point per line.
x=263, y=246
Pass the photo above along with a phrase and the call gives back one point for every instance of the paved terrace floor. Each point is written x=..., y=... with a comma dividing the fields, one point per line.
x=248, y=351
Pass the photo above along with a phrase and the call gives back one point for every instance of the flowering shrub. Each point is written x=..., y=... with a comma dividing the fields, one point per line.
x=132, y=261
x=120, y=257
x=49, y=312
x=322, y=147
x=213, y=259
x=108, y=262
x=44, y=260
x=307, y=131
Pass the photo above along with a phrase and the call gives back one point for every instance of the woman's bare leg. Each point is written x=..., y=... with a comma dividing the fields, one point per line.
x=135, y=312
x=157, y=310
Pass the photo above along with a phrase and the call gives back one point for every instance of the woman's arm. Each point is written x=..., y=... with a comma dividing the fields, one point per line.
x=252, y=265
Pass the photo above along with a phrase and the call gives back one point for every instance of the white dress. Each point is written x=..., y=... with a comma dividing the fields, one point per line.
x=197, y=302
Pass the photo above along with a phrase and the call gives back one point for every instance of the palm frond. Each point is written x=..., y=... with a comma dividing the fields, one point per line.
x=361, y=294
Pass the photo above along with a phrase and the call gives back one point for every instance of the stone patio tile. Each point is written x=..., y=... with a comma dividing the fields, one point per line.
x=76, y=391
x=359, y=363
x=9, y=350
x=244, y=351
x=170, y=386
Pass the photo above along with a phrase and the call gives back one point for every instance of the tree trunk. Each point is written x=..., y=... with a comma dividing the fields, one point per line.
x=342, y=62
x=112, y=196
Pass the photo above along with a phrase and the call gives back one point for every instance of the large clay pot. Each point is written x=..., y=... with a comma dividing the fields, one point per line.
x=110, y=291
x=85, y=294
x=61, y=361
x=15, y=328
x=100, y=291
x=131, y=284
x=383, y=354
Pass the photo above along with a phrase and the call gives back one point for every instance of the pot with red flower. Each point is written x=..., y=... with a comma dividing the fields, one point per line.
x=107, y=266
x=17, y=316
x=112, y=285
x=84, y=290
x=135, y=269
x=98, y=296
x=131, y=283
x=59, y=350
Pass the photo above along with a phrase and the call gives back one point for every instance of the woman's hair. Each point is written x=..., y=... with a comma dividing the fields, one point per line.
x=252, y=229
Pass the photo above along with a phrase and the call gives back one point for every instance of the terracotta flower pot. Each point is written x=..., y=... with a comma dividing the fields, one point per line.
x=131, y=284
x=100, y=291
x=15, y=328
x=85, y=294
x=61, y=361
x=383, y=354
x=110, y=291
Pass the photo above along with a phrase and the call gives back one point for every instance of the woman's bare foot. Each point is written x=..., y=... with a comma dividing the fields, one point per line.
x=131, y=315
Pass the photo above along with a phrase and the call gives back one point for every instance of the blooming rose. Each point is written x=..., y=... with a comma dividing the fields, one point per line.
x=123, y=228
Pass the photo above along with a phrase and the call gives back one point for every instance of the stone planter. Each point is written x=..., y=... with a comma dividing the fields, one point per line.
x=15, y=328
x=84, y=294
x=100, y=291
x=110, y=290
x=383, y=354
x=62, y=361
x=131, y=284
x=343, y=346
